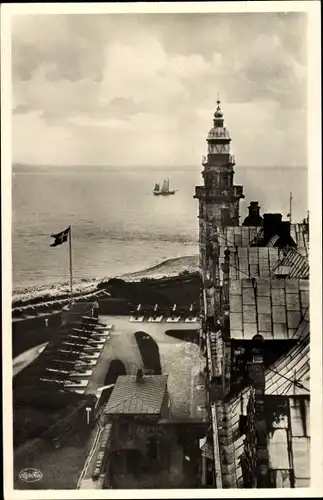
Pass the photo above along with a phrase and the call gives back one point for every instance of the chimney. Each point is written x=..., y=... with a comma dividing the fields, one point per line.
x=284, y=233
x=254, y=208
x=271, y=225
x=139, y=376
x=253, y=218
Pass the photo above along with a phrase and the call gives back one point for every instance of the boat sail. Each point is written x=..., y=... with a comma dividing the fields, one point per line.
x=164, y=190
x=165, y=187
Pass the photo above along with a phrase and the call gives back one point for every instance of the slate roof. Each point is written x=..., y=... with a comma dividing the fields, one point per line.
x=250, y=262
x=274, y=309
x=264, y=262
x=244, y=236
x=300, y=235
x=137, y=398
x=296, y=262
x=277, y=309
x=240, y=236
x=294, y=366
x=298, y=232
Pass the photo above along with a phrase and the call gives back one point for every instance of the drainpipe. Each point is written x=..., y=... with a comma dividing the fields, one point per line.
x=257, y=378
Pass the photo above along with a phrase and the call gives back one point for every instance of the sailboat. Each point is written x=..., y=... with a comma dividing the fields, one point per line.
x=164, y=190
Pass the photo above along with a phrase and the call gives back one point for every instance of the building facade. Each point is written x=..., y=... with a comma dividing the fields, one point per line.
x=148, y=447
x=254, y=326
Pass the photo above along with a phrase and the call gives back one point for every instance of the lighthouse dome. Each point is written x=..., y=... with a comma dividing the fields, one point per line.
x=218, y=133
x=218, y=113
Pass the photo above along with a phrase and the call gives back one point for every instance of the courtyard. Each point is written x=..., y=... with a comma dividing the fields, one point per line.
x=181, y=361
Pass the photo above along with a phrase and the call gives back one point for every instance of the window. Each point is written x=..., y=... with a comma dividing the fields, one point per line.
x=301, y=457
x=278, y=450
x=224, y=179
x=300, y=416
x=225, y=217
x=300, y=427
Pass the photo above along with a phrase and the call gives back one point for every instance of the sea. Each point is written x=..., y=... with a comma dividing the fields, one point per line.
x=118, y=225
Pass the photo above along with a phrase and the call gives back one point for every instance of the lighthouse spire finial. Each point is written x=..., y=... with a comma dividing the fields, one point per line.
x=218, y=115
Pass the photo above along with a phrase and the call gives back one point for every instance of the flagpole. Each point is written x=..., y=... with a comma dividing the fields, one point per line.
x=71, y=274
x=290, y=207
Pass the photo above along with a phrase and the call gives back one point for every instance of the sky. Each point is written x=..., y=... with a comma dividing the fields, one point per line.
x=141, y=89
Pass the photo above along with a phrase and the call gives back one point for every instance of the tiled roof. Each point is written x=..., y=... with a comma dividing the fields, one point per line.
x=250, y=262
x=304, y=327
x=272, y=308
x=134, y=398
x=273, y=240
x=240, y=236
x=298, y=232
x=296, y=262
x=244, y=236
x=264, y=262
x=293, y=367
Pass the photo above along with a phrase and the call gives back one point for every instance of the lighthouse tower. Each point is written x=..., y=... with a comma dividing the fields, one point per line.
x=218, y=198
x=218, y=207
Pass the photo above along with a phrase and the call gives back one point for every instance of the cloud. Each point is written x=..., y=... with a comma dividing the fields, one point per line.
x=91, y=84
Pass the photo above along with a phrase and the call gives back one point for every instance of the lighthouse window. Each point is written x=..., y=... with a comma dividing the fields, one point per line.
x=224, y=179
x=225, y=217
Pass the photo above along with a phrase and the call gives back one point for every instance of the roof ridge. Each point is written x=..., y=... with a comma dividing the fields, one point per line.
x=119, y=402
x=144, y=404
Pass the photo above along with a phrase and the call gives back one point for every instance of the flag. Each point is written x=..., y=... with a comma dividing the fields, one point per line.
x=60, y=237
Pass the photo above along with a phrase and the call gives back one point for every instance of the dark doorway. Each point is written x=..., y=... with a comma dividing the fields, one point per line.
x=126, y=461
x=152, y=449
x=209, y=474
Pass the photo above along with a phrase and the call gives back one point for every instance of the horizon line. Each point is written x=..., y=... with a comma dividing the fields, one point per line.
x=59, y=166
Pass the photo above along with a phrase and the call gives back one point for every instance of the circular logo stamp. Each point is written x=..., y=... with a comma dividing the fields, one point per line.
x=30, y=475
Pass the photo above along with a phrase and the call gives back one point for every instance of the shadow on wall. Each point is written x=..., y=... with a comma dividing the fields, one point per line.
x=186, y=335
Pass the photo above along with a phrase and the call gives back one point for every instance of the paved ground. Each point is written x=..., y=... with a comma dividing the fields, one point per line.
x=180, y=360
